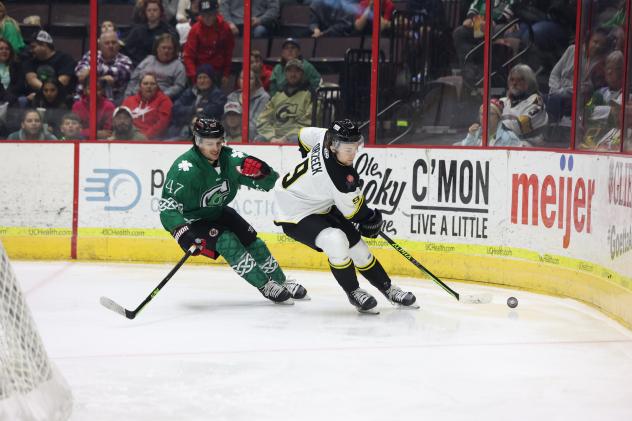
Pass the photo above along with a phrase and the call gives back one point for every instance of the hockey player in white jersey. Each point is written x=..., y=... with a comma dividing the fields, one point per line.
x=317, y=203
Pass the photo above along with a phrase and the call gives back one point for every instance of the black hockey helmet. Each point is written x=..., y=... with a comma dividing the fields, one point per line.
x=345, y=131
x=207, y=128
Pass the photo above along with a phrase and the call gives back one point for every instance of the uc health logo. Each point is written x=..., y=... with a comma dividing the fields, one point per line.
x=564, y=202
x=120, y=189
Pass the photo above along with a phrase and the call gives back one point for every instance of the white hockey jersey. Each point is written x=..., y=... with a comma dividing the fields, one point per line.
x=317, y=183
x=526, y=118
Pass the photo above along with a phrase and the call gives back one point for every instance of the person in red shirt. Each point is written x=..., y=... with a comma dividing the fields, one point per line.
x=364, y=19
x=151, y=109
x=210, y=41
x=259, y=67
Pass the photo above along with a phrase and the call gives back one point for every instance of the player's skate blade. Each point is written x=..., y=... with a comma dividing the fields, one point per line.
x=363, y=301
x=296, y=290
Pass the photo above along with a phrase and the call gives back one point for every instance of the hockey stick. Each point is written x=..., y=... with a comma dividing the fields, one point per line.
x=130, y=314
x=472, y=299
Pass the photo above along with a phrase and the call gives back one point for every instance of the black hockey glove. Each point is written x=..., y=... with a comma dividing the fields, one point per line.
x=186, y=238
x=254, y=168
x=370, y=227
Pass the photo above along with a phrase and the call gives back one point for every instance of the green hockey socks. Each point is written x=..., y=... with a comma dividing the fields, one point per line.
x=240, y=259
x=268, y=264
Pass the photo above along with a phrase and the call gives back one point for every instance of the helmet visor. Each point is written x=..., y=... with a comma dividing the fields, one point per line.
x=348, y=147
x=209, y=141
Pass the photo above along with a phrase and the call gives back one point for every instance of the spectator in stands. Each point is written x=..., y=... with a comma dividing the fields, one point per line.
x=204, y=97
x=47, y=63
x=265, y=14
x=10, y=30
x=523, y=108
x=332, y=17
x=260, y=68
x=364, y=19
x=12, y=86
x=71, y=127
x=151, y=109
x=113, y=67
x=107, y=26
x=32, y=128
x=259, y=98
x=140, y=40
x=289, y=110
x=604, y=108
x=187, y=10
x=471, y=32
x=123, y=126
x=105, y=108
x=498, y=134
x=52, y=101
x=291, y=49
x=170, y=8
x=232, y=122
x=163, y=63
x=210, y=42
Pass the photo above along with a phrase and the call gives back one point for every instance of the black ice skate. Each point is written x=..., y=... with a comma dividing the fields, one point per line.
x=277, y=293
x=399, y=297
x=363, y=301
x=296, y=290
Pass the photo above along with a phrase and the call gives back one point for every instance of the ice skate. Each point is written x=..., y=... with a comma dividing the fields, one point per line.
x=363, y=301
x=399, y=297
x=276, y=293
x=296, y=290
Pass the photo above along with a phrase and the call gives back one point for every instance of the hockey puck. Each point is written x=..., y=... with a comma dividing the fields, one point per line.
x=512, y=302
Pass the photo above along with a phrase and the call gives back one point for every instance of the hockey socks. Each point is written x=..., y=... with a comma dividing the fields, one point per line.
x=268, y=264
x=376, y=275
x=345, y=275
x=240, y=260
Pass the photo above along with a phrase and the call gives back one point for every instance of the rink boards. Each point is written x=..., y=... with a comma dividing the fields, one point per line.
x=558, y=223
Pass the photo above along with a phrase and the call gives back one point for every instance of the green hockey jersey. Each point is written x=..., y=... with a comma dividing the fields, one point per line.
x=194, y=189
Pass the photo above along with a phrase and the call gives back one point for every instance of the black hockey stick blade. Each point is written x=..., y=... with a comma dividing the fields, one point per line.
x=131, y=314
x=470, y=299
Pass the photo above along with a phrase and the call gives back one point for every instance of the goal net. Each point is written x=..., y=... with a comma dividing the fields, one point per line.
x=31, y=388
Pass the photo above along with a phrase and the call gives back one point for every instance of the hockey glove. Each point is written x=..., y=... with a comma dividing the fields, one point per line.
x=370, y=227
x=186, y=238
x=254, y=168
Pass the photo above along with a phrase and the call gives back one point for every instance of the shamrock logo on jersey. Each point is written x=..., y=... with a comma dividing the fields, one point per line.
x=184, y=165
x=237, y=154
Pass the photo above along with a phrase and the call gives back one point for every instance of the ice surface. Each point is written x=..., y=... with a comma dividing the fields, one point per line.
x=210, y=347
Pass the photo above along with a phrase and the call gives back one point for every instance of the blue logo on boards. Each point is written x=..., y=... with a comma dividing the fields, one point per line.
x=119, y=188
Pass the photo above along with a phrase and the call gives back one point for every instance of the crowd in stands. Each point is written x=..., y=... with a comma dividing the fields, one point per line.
x=176, y=62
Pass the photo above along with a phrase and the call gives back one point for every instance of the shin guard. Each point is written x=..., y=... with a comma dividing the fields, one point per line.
x=240, y=260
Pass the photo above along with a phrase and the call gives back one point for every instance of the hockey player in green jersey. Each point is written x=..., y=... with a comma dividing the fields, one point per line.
x=194, y=209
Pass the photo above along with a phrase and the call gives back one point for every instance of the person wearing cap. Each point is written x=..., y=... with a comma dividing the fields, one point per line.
x=333, y=18
x=210, y=41
x=113, y=67
x=291, y=49
x=265, y=14
x=205, y=97
x=123, y=125
x=259, y=98
x=317, y=203
x=46, y=62
x=151, y=109
x=232, y=122
x=288, y=110
x=165, y=64
x=140, y=40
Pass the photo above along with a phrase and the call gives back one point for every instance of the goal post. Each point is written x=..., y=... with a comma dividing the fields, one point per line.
x=31, y=388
